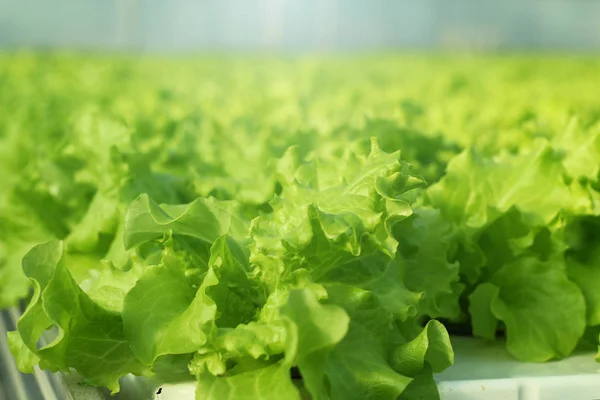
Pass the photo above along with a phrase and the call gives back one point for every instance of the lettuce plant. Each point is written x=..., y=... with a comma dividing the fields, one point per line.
x=279, y=229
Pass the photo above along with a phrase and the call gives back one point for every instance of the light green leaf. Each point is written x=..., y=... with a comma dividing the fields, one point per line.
x=390, y=290
x=238, y=298
x=583, y=262
x=163, y=313
x=358, y=367
x=203, y=219
x=268, y=383
x=587, y=277
x=476, y=189
x=483, y=320
x=543, y=311
x=101, y=217
x=320, y=222
x=24, y=357
x=431, y=346
x=422, y=387
x=319, y=328
x=91, y=338
x=424, y=245
x=581, y=149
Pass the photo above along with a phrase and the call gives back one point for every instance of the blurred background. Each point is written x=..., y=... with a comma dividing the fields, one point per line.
x=301, y=25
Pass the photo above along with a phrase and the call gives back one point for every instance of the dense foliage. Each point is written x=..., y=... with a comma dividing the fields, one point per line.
x=243, y=221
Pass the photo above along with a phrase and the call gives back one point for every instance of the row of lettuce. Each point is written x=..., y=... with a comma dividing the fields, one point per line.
x=250, y=222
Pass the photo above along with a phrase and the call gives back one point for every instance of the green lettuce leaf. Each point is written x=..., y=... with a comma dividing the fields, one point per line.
x=319, y=328
x=91, y=339
x=476, y=190
x=163, y=314
x=425, y=240
x=544, y=312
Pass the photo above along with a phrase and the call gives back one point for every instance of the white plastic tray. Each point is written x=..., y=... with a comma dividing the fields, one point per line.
x=485, y=371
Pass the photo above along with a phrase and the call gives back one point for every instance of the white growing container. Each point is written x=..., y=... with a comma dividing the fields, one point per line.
x=487, y=372
x=482, y=371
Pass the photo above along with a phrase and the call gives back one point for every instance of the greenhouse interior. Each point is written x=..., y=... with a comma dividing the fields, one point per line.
x=300, y=200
